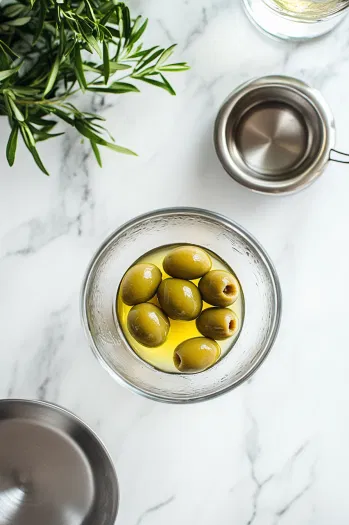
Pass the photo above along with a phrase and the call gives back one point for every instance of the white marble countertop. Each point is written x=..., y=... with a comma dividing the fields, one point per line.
x=274, y=451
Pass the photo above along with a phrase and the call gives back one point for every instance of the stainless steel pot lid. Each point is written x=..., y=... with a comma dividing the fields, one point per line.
x=274, y=134
x=53, y=468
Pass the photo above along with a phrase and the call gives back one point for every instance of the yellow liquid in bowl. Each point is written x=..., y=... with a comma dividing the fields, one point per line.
x=162, y=356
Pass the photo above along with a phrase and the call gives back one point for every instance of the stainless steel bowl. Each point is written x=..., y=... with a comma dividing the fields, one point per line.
x=172, y=226
x=274, y=134
x=53, y=468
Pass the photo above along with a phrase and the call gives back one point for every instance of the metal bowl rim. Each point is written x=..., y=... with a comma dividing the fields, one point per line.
x=175, y=211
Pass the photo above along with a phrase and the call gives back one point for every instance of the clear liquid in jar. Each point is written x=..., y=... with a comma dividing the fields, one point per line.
x=309, y=8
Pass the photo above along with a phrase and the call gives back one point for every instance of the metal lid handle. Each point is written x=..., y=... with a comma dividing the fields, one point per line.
x=340, y=153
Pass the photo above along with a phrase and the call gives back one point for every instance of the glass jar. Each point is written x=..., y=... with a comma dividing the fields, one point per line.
x=296, y=19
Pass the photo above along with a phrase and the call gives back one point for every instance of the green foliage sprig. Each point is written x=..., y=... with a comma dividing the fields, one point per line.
x=50, y=49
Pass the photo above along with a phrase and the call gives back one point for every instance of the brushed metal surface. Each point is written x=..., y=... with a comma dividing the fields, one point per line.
x=53, y=468
x=274, y=134
x=272, y=138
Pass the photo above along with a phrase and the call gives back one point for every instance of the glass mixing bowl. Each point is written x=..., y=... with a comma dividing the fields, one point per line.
x=229, y=241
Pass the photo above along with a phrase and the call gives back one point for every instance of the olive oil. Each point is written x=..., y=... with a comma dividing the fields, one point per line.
x=162, y=357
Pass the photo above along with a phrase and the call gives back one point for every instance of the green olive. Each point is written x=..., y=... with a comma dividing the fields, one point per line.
x=217, y=323
x=180, y=299
x=148, y=324
x=140, y=283
x=219, y=288
x=187, y=262
x=195, y=355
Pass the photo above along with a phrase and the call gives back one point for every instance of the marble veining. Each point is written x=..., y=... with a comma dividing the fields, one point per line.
x=274, y=451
